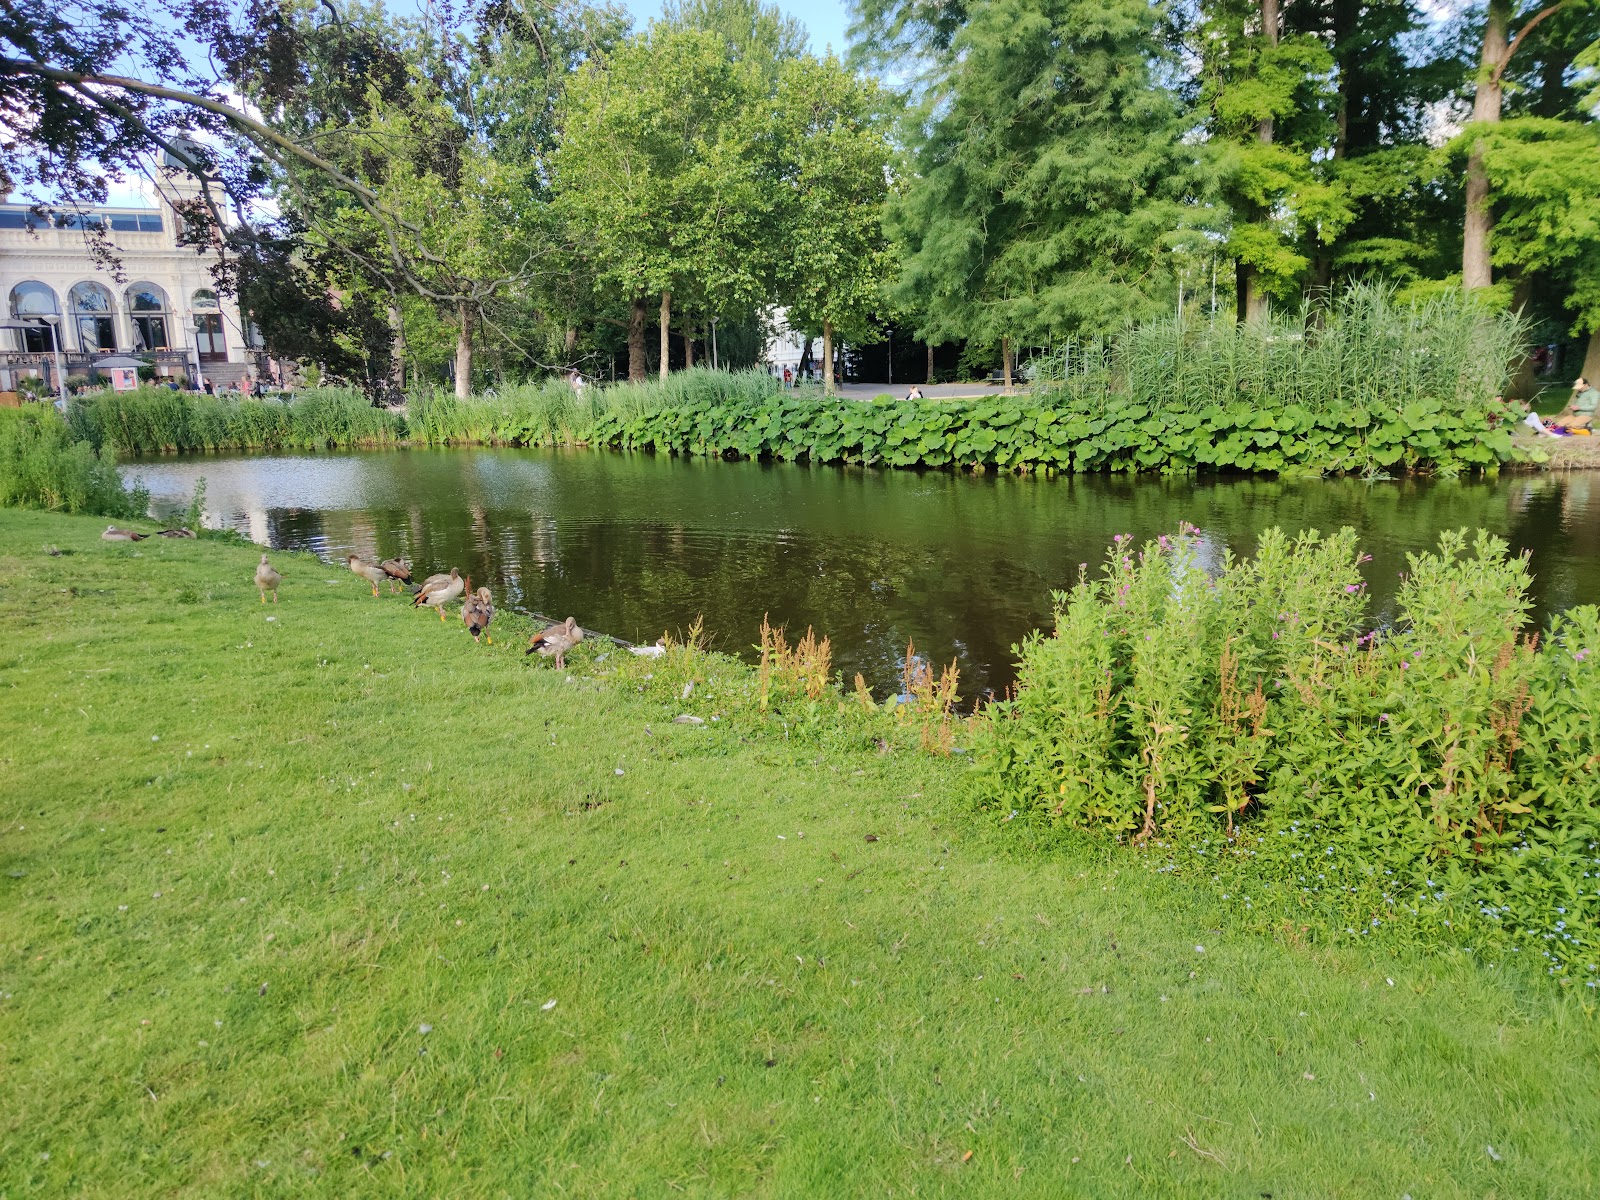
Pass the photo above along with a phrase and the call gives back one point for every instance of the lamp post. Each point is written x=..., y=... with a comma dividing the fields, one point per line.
x=54, y=321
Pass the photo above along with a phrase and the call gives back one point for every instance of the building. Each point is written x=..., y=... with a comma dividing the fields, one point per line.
x=65, y=310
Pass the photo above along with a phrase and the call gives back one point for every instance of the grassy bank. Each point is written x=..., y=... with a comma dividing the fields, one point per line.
x=247, y=861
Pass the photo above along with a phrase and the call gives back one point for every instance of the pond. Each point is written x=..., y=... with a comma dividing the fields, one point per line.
x=635, y=545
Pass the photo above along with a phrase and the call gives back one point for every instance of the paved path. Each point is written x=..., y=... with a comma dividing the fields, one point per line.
x=930, y=391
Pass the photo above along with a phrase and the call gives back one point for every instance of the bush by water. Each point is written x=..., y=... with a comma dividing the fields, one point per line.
x=43, y=466
x=1256, y=714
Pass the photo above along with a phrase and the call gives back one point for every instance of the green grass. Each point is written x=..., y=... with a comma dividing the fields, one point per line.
x=244, y=861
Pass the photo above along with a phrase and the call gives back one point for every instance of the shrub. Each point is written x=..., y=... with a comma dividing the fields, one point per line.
x=1190, y=699
x=42, y=466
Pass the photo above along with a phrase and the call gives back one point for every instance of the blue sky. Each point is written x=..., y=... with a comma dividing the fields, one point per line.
x=825, y=20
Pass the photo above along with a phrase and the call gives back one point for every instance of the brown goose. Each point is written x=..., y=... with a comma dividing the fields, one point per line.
x=398, y=570
x=372, y=574
x=439, y=590
x=113, y=534
x=477, y=610
x=556, y=640
x=267, y=580
x=175, y=533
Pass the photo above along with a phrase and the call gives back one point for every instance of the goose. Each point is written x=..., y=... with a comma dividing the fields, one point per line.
x=372, y=574
x=439, y=590
x=113, y=534
x=477, y=610
x=267, y=580
x=655, y=651
x=398, y=570
x=175, y=533
x=556, y=640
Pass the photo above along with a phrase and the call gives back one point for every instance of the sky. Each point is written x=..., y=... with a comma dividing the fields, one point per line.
x=825, y=20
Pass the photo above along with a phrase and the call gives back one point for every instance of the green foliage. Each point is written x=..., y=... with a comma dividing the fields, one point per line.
x=156, y=420
x=1365, y=385
x=1436, y=755
x=1052, y=178
x=42, y=465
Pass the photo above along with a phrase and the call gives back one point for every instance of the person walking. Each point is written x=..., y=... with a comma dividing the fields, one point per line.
x=788, y=377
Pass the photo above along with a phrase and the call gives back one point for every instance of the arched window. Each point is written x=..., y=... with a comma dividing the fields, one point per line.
x=31, y=299
x=147, y=304
x=203, y=298
x=91, y=316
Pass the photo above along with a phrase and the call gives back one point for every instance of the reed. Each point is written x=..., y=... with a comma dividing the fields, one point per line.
x=155, y=420
x=42, y=465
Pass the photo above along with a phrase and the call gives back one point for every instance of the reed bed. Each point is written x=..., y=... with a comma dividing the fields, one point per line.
x=1363, y=346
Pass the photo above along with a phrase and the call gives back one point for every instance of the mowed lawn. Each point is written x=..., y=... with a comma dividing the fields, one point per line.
x=321, y=899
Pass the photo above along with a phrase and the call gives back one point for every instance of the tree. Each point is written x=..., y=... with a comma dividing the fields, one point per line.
x=1269, y=114
x=761, y=34
x=1051, y=182
x=662, y=169
x=833, y=179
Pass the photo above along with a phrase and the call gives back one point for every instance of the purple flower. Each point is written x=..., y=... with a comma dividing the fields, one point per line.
x=1404, y=666
x=1351, y=588
x=1383, y=716
x=1581, y=655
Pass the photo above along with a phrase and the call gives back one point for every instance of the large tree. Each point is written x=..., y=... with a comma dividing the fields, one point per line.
x=1051, y=182
x=663, y=170
x=832, y=177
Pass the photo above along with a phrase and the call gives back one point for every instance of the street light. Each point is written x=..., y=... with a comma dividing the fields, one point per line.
x=54, y=321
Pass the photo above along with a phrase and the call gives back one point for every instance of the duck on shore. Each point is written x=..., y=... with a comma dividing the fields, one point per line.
x=439, y=590
x=175, y=533
x=267, y=580
x=477, y=610
x=398, y=570
x=556, y=641
x=371, y=572
x=113, y=534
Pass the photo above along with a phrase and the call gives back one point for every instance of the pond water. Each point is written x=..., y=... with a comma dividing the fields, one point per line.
x=635, y=545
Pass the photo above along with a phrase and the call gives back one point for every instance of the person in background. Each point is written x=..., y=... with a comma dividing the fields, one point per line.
x=205, y=386
x=1578, y=414
x=915, y=393
x=788, y=377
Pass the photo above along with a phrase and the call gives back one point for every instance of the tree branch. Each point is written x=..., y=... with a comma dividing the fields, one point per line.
x=1522, y=33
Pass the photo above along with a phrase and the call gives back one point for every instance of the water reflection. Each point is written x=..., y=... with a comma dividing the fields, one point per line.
x=638, y=544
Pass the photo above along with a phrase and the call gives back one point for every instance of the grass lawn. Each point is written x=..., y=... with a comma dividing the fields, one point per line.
x=321, y=899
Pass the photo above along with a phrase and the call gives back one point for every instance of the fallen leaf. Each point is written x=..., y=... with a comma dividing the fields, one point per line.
x=967, y=1157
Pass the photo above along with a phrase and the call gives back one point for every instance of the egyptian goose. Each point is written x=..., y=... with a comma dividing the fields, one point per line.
x=556, y=640
x=477, y=610
x=398, y=570
x=371, y=573
x=113, y=534
x=267, y=580
x=439, y=590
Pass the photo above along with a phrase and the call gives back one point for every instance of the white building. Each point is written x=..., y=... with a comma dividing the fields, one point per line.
x=65, y=310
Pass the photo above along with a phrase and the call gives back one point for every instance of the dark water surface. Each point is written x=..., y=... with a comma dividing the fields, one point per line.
x=637, y=544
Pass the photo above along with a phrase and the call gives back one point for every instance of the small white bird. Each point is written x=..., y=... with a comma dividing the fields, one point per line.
x=267, y=580
x=655, y=651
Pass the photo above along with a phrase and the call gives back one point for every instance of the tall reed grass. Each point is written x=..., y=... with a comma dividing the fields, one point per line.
x=155, y=420
x=42, y=465
x=1360, y=347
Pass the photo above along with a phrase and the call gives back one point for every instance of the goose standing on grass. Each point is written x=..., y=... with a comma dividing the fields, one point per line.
x=398, y=570
x=556, y=640
x=439, y=590
x=113, y=534
x=267, y=580
x=477, y=610
x=370, y=572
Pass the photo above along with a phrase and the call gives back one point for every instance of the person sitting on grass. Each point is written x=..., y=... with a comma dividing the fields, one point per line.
x=1578, y=414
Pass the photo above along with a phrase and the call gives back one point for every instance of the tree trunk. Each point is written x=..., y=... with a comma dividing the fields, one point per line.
x=1251, y=302
x=463, y=352
x=1005, y=361
x=930, y=362
x=1476, y=269
x=636, y=360
x=688, y=346
x=1591, y=360
x=397, y=350
x=827, y=358
x=805, y=360
x=666, y=330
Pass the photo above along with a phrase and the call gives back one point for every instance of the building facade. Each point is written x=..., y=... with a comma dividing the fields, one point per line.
x=157, y=302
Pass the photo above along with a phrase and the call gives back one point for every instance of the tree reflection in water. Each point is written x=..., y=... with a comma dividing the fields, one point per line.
x=638, y=544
